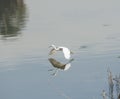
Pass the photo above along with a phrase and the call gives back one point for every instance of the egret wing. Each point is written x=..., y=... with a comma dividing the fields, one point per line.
x=66, y=52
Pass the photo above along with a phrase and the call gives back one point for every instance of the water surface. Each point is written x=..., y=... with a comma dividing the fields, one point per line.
x=27, y=28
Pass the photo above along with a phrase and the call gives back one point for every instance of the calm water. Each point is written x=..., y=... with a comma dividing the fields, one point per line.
x=89, y=28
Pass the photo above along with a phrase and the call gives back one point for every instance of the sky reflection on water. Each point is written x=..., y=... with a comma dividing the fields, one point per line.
x=89, y=28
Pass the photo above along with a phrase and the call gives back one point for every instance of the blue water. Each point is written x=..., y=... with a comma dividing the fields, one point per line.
x=89, y=28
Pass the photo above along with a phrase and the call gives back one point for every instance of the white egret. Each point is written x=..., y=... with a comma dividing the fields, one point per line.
x=67, y=53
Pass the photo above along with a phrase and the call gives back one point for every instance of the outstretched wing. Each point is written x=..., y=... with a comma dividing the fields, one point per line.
x=66, y=52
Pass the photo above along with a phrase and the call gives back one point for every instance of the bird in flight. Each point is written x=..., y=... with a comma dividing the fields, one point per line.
x=67, y=53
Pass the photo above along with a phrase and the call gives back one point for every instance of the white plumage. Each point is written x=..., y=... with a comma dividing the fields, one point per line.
x=65, y=50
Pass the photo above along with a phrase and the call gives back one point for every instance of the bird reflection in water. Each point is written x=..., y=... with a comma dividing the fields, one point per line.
x=58, y=65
